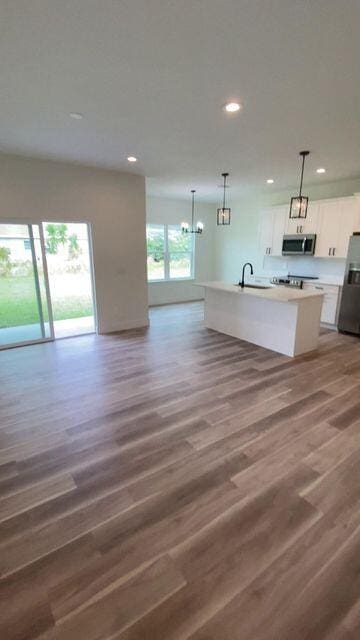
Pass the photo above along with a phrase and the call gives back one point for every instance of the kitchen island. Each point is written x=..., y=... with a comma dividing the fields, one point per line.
x=277, y=318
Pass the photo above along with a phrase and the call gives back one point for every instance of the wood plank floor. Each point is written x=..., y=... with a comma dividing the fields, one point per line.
x=177, y=484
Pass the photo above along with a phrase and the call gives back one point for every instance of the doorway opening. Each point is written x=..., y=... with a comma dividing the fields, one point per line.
x=46, y=282
x=25, y=309
x=69, y=266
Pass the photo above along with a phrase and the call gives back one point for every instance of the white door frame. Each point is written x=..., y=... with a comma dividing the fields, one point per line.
x=29, y=224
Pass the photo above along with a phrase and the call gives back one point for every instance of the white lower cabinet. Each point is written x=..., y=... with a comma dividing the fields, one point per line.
x=329, y=311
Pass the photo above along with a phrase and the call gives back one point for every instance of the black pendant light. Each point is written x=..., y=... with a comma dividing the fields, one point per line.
x=299, y=204
x=224, y=213
x=185, y=227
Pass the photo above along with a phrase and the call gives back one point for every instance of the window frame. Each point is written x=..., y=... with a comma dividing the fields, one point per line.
x=168, y=253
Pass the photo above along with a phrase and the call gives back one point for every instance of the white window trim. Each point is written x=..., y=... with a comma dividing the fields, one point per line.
x=167, y=277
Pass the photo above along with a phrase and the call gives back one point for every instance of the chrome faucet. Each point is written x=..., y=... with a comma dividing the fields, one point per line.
x=242, y=284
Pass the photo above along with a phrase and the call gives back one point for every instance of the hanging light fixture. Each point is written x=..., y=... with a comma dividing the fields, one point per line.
x=185, y=227
x=299, y=204
x=223, y=214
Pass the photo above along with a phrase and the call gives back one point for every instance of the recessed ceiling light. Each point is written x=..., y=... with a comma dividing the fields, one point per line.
x=270, y=181
x=132, y=159
x=76, y=115
x=232, y=107
x=321, y=170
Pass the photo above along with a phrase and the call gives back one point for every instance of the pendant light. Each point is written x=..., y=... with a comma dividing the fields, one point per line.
x=185, y=227
x=223, y=214
x=299, y=204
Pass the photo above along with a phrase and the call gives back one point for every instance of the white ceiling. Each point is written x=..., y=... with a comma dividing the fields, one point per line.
x=151, y=77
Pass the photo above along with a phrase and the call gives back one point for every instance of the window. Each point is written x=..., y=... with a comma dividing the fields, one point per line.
x=170, y=253
x=155, y=237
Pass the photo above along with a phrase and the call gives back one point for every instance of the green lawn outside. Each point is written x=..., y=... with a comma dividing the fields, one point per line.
x=180, y=267
x=18, y=304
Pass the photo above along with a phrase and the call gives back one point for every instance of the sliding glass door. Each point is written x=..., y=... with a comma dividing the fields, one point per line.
x=25, y=309
x=69, y=262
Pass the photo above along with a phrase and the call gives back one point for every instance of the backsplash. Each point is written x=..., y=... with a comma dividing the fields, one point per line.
x=304, y=266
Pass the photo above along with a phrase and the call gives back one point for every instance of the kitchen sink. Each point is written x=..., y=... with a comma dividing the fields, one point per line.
x=255, y=286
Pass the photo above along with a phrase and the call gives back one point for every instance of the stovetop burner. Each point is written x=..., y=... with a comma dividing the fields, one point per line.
x=288, y=281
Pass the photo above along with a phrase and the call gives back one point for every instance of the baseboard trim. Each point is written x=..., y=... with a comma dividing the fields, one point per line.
x=167, y=304
x=331, y=327
x=129, y=326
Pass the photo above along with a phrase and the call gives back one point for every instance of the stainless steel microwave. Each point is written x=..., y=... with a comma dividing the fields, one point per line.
x=299, y=245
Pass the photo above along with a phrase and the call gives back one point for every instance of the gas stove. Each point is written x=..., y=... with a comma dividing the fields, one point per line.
x=292, y=281
x=288, y=281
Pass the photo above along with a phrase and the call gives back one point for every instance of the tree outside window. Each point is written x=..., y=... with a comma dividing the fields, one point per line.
x=170, y=253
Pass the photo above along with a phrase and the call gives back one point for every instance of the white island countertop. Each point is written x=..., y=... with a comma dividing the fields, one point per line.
x=280, y=294
x=278, y=318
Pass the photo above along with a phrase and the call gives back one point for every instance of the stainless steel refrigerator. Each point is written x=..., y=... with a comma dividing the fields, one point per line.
x=349, y=316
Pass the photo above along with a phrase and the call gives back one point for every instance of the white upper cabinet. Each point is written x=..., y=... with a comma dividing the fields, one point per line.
x=328, y=229
x=333, y=221
x=266, y=231
x=350, y=218
x=337, y=222
x=279, y=218
x=272, y=224
x=294, y=226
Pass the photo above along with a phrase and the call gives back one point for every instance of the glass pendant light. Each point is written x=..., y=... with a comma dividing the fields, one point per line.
x=185, y=227
x=299, y=204
x=224, y=213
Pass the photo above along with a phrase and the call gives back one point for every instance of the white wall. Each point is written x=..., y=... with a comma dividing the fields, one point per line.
x=238, y=243
x=169, y=211
x=114, y=205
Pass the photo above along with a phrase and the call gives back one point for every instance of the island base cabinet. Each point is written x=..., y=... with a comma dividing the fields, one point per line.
x=290, y=328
